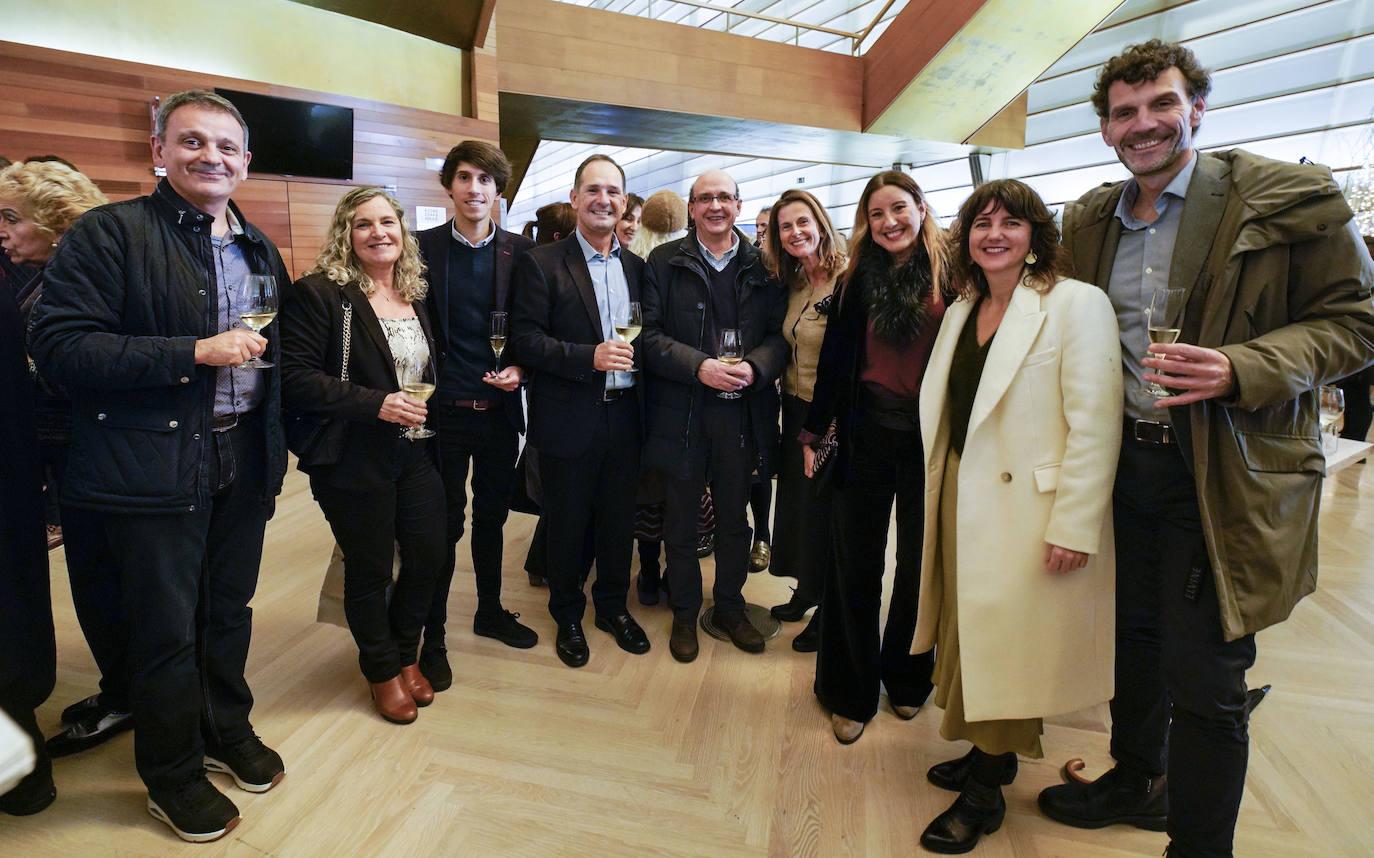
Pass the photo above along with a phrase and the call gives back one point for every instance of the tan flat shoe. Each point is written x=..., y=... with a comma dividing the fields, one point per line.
x=393, y=701
x=414, y=681
x=847, y=732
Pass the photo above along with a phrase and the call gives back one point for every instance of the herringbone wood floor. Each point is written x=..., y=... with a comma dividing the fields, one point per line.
x=728, y=756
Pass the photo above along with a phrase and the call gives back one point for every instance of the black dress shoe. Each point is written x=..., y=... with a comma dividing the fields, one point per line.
x=742, y=632
x=1118, y=797
x=504, y=626
x=32, y=794
x=793, y=610
x=954, y=774
x=87, y=724
x=571, y=645
x=434, y=665
x=682, y=641
x=809, y=639
x=978, y=810
x=647, y=589
x=626, y=631
x=706, y=545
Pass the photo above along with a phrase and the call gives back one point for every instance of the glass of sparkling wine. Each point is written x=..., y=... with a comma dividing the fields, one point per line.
x=257, y=303
x=497, y=335
x=628, y=324
x=417, y=380
x=1163, y=322
x=1330, y=408
x=730, y=352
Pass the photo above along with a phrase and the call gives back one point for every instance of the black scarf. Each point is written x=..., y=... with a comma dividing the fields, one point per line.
x=897, y=298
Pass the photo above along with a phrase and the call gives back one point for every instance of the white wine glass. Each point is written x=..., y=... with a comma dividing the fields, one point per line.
x=257, y=303
x=730, y=351
x=497, y=334
x=1163, y=322
x=628, y=323
x=417, y=380
x=1330, y=408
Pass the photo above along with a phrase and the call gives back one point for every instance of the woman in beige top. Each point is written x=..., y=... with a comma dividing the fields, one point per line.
x=803, y=251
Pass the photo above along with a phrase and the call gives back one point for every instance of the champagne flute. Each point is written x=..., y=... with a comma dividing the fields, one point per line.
x=1330, y=407
x=1163, y=322
x=417, y=380
x=257, y=302
x=628, y=324
x=730, y=352
x=497, y=334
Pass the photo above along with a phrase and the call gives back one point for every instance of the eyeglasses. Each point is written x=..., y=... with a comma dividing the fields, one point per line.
x=707, y=199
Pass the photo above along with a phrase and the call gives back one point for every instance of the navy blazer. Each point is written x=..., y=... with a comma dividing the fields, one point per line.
x=510, y=247
x=555, y=329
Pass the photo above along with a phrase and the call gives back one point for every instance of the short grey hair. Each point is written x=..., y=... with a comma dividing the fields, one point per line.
x=199, y=98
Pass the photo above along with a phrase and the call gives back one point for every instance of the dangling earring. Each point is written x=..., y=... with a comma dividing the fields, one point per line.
x=1031, y=258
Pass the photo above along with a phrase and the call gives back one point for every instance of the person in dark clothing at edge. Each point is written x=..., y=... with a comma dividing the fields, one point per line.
x=179, y=451
x=711, y=280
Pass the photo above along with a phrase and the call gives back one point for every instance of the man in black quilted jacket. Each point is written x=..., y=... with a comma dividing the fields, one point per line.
x=176, y=447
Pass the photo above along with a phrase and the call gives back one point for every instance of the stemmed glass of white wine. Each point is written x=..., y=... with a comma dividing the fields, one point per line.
x=417, y=380
x=257, y=302
x=1163, y=322
x=628, y=324
x=1330, y=408
x=730, y=352
x=497, y=334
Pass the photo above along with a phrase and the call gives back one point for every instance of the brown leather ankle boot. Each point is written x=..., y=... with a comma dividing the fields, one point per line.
x=393, y=701
x=414, y=681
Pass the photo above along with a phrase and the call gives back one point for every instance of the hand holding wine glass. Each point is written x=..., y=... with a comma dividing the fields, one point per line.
x=497, y=335
x=257, y=303
x=1163, y=322
x=628, y=323
x=417, y=381
x=731, y=353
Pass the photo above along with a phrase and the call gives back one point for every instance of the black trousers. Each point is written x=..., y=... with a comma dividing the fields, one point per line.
x=98, y=597
x=368, y=525
x=801, y=531
x=1358, y=410
x=1180, y=687
x=596, y=488
x=187, y=579
x=726, y=463
x=487, y=441
x=883, y=465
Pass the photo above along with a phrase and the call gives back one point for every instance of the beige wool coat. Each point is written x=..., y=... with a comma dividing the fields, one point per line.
x=1038, y=466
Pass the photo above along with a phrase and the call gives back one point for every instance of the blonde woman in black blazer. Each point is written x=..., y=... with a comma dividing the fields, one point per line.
x=382, y=489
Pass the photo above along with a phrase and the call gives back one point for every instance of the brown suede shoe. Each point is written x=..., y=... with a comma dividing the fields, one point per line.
x=742, y=632
x=393, y=701
x=682, y=641
x=414, y=681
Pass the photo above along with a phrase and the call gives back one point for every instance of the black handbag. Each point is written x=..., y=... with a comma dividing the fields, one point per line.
x=320, y=441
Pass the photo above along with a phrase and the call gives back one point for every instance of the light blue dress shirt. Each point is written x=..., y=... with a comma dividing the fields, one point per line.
x=719, y=264
x=612, y=297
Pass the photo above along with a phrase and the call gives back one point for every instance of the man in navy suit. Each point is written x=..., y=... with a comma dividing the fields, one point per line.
x=477, y=401
x=586, y=408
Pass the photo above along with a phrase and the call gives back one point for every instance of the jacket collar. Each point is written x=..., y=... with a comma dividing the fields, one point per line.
x=689, y=251
x=177, y=211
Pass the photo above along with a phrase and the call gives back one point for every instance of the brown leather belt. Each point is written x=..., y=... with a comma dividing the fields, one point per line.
x=1150, y=432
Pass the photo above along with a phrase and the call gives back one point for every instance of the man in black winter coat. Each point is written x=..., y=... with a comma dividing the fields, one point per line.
x=706, y=423
x=176, y=447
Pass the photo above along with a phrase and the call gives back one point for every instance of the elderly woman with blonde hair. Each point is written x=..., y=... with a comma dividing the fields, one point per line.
x=353, y=329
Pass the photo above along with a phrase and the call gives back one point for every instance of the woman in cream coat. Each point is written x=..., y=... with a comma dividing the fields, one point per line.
x=1021, y=409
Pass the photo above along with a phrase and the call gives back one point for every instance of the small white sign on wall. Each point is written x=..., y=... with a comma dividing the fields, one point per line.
x=427, y=217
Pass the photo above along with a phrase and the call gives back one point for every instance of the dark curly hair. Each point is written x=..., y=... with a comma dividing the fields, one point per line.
x=1020, y=201
x=1147, y=61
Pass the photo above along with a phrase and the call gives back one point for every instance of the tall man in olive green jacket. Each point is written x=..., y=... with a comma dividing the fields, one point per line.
x=1218, y=485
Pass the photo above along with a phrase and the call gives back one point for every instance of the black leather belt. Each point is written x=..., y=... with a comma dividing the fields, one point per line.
x=470, y=404
x=1150, y=432
x=224, y=423
x=615, y=395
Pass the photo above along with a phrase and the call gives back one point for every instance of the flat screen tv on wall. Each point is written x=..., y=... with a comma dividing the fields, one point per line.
x=296, y=138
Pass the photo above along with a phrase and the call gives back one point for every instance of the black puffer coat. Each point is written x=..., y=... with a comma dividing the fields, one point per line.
x=127, y=294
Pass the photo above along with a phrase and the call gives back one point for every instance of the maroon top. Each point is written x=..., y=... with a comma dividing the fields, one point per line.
x=897, y=371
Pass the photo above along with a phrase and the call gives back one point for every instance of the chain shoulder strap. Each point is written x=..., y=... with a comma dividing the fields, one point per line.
x=347, y=338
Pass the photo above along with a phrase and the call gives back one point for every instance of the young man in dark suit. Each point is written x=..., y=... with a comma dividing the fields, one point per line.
x=476, y=406
x=586, y=411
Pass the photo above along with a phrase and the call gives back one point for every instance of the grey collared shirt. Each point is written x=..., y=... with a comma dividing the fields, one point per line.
x=463, y=239
x=237, y=391
x=719, y=264
x=1143, y=258
x=612, y=297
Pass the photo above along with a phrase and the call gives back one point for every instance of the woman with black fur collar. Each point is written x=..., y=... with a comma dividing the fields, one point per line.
x=876, y=346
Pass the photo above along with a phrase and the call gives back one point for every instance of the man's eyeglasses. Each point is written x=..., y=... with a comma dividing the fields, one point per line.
x=707, y=199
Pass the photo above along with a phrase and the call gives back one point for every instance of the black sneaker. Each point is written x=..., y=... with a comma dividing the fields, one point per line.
x=195, y=810
x=86, y=724
x=505, y=627
x=253, y=766
x=433, y=663
x=809, y=640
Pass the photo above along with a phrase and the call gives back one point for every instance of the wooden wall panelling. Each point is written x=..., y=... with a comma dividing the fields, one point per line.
x=94, y=112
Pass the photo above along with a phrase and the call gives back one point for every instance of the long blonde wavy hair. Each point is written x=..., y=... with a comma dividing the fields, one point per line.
x=339, y=263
